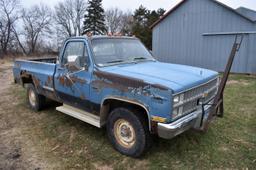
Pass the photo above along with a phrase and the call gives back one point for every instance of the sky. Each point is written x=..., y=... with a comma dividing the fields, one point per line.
x=150, y=4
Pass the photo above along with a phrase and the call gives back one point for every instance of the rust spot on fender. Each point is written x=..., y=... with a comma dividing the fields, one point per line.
x=124, y=83
x=160, y=87
x=36, y=81
x=122, y=80
x=49, y=81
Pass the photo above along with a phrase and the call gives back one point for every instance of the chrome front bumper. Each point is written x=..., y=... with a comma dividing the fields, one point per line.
x=192, y=120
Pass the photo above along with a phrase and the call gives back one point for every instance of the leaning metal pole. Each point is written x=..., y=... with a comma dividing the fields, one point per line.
x=218, y=100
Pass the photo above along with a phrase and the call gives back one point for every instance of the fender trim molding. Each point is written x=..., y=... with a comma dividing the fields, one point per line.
x=131, y=102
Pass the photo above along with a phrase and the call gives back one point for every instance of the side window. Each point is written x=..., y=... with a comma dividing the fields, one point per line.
x=76, y=51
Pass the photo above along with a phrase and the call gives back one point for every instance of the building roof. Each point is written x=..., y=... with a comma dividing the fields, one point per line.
x=217, y=2
x=249, y=13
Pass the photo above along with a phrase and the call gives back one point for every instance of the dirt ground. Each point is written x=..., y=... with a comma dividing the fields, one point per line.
x=16, y=151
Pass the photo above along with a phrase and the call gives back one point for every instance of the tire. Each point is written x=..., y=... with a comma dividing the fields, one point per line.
x=128, y=132
x=35, y=101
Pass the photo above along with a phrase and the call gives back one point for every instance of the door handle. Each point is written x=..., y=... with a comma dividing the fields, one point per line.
x=95, y=88
x=60, y=68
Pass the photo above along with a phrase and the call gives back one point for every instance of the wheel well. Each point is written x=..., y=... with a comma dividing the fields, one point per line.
x=110, y=104
x=26, y=79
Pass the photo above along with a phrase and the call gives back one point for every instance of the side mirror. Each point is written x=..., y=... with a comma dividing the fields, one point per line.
x=73, y=63
x=71, y=58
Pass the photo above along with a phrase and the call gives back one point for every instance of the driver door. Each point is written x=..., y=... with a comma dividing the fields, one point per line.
x=72, y=77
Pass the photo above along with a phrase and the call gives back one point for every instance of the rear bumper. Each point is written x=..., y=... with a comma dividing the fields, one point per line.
x=193, y=120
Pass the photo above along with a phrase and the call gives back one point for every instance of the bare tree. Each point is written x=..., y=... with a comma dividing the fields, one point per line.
x=118, y=21
x=36, y=23
x=8, y=17
x=127, y=22
x=113, y=19
x=69, y=15
x=17, y=36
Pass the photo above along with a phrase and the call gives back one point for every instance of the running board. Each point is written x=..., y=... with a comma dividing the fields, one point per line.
x=80, y=114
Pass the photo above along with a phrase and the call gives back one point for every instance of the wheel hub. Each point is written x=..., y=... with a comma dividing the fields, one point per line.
x=32, y=97
x=124, y=133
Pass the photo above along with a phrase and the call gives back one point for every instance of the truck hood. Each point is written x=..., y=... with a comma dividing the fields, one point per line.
x=173, y=76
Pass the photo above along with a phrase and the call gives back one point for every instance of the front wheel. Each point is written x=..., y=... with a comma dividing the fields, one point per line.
x=128, y=132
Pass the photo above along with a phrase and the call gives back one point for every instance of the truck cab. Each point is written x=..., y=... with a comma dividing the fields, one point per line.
x=117, y=83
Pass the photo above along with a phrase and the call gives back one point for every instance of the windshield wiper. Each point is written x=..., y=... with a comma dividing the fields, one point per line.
x=115, y=61
x=139, y=58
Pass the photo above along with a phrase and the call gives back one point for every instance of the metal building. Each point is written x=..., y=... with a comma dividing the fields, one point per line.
x=201, y=33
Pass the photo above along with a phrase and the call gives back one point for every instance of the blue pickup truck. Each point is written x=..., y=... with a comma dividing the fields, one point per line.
x=114, y=82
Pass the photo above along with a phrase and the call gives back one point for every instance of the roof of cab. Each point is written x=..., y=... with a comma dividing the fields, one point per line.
x=101, y=37
x=110, y=37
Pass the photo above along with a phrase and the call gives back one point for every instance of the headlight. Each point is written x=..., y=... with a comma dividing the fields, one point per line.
x=178, y=99
x=177, y=108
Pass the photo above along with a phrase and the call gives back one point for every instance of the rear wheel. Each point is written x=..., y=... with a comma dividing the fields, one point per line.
x=35, y=100
x=128, y=132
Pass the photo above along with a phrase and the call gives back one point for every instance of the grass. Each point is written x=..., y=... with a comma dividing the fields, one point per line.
x=230, y=142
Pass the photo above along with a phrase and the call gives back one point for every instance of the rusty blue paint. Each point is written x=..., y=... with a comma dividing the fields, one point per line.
x=151, y=84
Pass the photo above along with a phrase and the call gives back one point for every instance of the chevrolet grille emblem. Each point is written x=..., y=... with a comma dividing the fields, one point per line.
x=205, y=94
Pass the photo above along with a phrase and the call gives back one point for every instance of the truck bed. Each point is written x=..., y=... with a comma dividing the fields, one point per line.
x=40, y=70
x=43, y=60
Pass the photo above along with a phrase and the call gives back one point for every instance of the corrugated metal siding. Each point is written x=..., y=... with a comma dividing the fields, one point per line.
x=252, y=54
x=179, y=37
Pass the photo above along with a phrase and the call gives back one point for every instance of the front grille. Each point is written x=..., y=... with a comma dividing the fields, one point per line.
x=192, y=96
x=189, y=107
x=198, y=92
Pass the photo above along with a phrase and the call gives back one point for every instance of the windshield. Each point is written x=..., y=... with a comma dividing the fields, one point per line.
x=111, y=51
